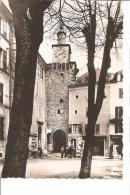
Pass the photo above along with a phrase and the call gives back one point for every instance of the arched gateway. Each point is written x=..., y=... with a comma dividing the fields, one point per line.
x=59, y=140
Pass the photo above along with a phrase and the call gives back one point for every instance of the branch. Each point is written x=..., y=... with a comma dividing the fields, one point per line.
x=113, y=30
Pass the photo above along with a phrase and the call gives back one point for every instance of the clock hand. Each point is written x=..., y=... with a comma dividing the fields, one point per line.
x=61, y=53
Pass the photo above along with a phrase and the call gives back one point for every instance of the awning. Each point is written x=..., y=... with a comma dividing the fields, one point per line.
x=116, y=136
x=116, y=120
x=74, y=136
x=33, y=135
x=97, y=137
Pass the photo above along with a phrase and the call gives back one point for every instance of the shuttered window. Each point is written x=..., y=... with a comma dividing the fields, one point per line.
x=97, y=130
x=1, y=128
x=4, y=60
x=1, y=93
x=120, y=93
x=118, y=112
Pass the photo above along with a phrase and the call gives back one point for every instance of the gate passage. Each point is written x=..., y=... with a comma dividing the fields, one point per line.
x=59, y=140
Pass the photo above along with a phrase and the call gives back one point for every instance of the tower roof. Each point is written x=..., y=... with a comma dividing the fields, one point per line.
x=61, y=30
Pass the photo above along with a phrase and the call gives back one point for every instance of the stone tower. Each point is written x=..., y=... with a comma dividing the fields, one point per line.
x=59, y=74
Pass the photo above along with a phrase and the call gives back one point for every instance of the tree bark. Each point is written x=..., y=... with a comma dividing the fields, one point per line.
x=86, y=161
x=89, y=33
x=29, y=33
x=94, y=107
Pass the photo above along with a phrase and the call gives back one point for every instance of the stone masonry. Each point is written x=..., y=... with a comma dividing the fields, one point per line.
x=58, y=77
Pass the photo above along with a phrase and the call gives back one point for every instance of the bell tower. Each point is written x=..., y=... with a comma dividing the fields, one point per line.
x=59, y=74
x=61, y=50
x=61, y=36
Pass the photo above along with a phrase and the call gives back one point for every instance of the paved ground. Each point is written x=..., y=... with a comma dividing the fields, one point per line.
x=55, y=167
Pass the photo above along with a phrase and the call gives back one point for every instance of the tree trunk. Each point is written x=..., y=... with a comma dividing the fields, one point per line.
x=27, y=45
x=86, y=161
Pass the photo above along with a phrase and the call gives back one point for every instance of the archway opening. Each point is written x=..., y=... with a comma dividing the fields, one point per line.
x=59, y=140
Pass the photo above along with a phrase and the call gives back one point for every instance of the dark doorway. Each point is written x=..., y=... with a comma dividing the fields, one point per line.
x=59, y=140
x=49, y=138
x=39, y=134
x=98, y=146
x=74, y=142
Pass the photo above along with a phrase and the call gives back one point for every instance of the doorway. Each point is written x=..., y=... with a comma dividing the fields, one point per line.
x=59, y=140
x=98, y=146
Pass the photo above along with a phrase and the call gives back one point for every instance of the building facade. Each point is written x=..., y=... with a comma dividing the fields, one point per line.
x=5, y=73
x=116, y=111
x=109, y=124
x=38, y=131
x=60, y=102
x=7, y=69
x=59, y=74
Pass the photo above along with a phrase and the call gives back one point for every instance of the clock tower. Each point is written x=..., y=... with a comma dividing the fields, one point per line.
x=59, y=75
x=61, y=50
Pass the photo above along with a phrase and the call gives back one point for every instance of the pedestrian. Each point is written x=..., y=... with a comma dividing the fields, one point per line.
x=62, y=150
x=71, y=151
x=111, y=151
x=66, y=151
x=40, y=152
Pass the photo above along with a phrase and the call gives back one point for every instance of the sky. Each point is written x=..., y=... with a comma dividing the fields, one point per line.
x=80, y=56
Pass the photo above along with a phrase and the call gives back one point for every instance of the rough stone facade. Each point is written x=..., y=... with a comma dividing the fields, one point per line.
x=59, y=75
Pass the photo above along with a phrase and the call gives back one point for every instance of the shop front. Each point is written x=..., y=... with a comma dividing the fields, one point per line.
x=98, y=148
x=117, y=145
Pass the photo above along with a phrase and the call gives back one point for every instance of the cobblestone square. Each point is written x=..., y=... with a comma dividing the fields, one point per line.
x=55, y=167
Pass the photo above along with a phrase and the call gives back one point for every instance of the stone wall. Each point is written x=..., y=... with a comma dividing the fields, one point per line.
x=58, y=77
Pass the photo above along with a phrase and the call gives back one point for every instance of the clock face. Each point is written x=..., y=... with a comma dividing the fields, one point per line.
x=61, y=54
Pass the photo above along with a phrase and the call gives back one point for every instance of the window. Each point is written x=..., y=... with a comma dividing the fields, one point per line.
x=70, y=129
x=61, y=74
x=86, y=125
x=41, y=72
x=1, y=93
x=75, y=111
x=1, y=128
x=58, y=111
x=118, y=127
x=119, y=77
x=4, y=60
x=5, y=28
x=80, y=129
x=77, y=128
x=34, y=145
x=49, y=138
x=118, y=115
x=120, y=93
x=61, y=100
x=97, y=129
x=77, y=96
x=118, y=112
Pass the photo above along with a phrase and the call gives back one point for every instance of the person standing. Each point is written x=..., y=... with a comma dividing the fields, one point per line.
x=66, y=151
x=111, y=151
x=62, y=151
